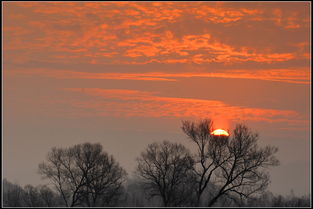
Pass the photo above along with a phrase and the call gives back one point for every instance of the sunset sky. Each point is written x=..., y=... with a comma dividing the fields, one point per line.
x=125, y=74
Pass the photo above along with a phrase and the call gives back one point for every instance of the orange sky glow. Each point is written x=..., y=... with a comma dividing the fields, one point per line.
x=116, y=70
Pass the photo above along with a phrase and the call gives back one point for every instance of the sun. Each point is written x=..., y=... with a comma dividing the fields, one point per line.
x=220, y=132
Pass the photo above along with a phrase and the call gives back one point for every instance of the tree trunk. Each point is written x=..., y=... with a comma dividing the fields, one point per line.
x=211, y=203
x=198, y=199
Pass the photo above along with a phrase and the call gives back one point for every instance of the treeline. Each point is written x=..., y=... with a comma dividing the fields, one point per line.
x=223, y=171
x=133, y=196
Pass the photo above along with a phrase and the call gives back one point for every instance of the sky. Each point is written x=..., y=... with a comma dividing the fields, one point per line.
x=125, y=74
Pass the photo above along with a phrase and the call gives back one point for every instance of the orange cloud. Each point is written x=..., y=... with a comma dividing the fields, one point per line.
x=292, y=18
x=223, y=14
x=63, y=74
x=114, y=32
x=128, y=103
x=208, y=50
x=301, y=76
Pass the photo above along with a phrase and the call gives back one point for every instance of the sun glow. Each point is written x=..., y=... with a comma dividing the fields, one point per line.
x=220, y=132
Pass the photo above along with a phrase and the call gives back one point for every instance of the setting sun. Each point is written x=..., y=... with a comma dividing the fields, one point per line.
x=220, y=132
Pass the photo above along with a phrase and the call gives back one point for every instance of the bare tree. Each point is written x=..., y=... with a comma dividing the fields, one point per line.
x=83, y=174
x=166, y=171
x=244, y=173
x=47, y=196
x=136, y=196
x=210, y=152
x=12, y=194
x=32, y=197
x=236, y=165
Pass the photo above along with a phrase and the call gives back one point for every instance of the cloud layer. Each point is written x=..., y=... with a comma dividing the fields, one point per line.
x=128, y=103
x=160, y=42
x=154, y=32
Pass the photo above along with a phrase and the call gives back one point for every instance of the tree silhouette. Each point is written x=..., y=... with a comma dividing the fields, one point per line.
x=235, y=164
x=32, y=197
x=83, y=174
x=166, y=172
x=224, y=170
x=47, y=196
x=12, y=194
x=209, y=155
